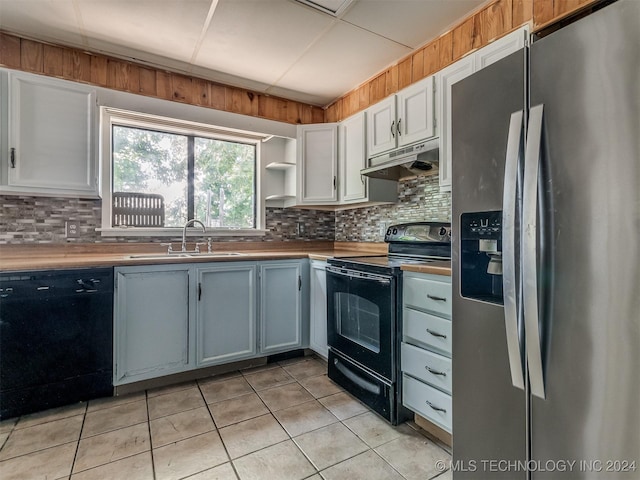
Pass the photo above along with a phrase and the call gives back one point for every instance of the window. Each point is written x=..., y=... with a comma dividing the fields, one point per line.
x=178, y=171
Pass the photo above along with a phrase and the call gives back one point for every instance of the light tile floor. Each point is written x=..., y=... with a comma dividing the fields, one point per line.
x=283, y=421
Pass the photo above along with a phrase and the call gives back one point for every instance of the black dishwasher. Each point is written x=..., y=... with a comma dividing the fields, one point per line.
x=56, y=338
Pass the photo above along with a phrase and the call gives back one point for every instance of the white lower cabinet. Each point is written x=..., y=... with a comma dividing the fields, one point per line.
x=281, y=298
x=174, y=318
x=318, y=308
x=226, y=314
x=426, y=347
x=151, y=331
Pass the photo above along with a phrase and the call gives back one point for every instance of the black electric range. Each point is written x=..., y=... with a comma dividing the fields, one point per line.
x=409, y=243
x=364, y=314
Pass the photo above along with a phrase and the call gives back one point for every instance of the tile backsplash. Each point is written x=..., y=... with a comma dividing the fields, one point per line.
x=25, y=219
x=419, y=199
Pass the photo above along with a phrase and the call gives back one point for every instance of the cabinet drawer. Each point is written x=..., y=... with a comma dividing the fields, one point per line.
x=428, y=295
x=429, y=402
x=428, y=330
x=428, y=366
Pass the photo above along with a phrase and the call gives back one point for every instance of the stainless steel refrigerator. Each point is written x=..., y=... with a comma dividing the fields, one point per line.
x=546, y=257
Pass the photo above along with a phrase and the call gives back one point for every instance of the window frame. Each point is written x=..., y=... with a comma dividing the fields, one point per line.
x=113, y=116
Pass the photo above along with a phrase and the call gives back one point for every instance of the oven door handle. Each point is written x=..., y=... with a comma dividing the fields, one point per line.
x=361, y=382
x=344, y=272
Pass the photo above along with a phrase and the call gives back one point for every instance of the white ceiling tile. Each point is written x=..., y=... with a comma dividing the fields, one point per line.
x=410, y=22
x=280, y=47
x=165, y=28
x=46, y=20
x=259, y=39
x=341, y=60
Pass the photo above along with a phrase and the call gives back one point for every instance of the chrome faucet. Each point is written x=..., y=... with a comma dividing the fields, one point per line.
x=184, y=233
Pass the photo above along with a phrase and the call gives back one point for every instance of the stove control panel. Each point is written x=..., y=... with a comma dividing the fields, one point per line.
x=419, y=232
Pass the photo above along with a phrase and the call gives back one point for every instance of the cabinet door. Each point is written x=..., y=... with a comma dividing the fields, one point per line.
x=416, y=113
x=226, y=314
x=318, y=163
x=353, y=155
x=450, y=75
x=318, y=308
x=500, y=48
x=381, y=126
x=51, y=136
x=280, y=306
x=151, y=322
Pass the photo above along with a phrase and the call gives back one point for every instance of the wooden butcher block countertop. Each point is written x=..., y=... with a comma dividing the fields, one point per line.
x=43, y=257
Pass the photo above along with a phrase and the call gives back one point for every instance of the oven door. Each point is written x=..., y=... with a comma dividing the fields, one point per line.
x=361, y=317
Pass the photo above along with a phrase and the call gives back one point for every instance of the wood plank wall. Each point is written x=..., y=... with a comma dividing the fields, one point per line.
x=482, y=27
x=496, y=19
x=95, y=69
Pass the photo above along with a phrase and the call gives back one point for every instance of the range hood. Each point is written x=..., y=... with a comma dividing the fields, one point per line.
x=413, y=160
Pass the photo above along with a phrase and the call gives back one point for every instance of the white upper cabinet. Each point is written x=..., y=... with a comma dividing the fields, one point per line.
x=381, y=126
x=404, y=118
x=317, y=164
x=352, y=157
x=450, y=75
x=460, y=70
x=416, y=119
x=51, y=137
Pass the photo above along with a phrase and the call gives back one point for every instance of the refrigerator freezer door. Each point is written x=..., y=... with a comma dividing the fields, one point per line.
x=489, y=413
x=587, y=75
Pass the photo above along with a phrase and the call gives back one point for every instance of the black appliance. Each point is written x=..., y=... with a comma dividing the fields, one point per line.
x=364, y=314
x=56, y=338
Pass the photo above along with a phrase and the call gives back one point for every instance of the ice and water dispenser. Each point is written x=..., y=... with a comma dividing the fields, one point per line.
x=481, y=256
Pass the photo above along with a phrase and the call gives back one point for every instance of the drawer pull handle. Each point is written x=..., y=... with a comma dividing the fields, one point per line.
x=437, y=299
x=436, y=334
x=435, y=372
x=437, y=409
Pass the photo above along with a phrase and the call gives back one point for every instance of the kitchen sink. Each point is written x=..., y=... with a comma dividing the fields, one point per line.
x=162, y=256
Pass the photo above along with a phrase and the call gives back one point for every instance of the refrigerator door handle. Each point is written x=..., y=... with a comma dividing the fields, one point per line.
x=510, y=292
x=529, y=251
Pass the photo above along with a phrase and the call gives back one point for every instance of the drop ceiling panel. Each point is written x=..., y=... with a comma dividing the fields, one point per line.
x=167, y=28
x=258, y=39
x=48, y=21
x=280, y=47
x=408, y=22
x=330, y=68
